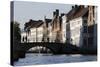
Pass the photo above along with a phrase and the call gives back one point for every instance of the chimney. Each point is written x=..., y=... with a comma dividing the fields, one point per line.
x=62, y=14
x=54, y=13
x=81, y=6
x=72, y=7
x=30, y=20
x=76, y=6
x=57, y=12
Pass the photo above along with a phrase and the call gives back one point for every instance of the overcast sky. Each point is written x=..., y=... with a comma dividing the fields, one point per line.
x=23, y=11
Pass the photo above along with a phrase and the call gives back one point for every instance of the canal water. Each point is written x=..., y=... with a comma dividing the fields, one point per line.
x=37, y=59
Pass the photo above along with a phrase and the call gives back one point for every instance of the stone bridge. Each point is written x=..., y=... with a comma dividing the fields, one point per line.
x=54, y=47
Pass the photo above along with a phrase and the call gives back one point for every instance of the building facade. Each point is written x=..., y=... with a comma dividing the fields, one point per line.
x=58, y=25
x=23, y=37
x=80, y=26
x=76, y=31
x=64, y=20
x=34, y=31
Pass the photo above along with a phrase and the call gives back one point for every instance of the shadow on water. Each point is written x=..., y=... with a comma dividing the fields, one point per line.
x=42, y=58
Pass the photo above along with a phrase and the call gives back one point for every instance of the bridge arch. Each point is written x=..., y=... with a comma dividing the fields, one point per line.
x=54, y=47
x=42, y=49
x=32, y=46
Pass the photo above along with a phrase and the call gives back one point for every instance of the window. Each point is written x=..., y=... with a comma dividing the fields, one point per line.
x=68, y=27
x=84, y=42
x=85, y=29
x=78, y=22
x=91, y=29
x=85, y=22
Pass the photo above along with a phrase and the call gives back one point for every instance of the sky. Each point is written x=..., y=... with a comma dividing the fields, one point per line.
x=24, y=11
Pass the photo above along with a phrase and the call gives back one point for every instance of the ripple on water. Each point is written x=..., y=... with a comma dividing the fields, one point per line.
x=32, y=59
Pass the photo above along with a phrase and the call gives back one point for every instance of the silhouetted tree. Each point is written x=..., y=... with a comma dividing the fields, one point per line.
x=16, y=31
x=15, y=40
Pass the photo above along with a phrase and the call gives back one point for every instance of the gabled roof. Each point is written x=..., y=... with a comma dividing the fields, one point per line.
x=77, y=12
x=48, y=20
x=37, y=24
x=33, y=24
x=81, y=12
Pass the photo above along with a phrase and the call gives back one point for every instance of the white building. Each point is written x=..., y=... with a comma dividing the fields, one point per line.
x=80, y=26
x=58, y=26
x=33, y=35
x=40, y=32
x=51, y=30
x=75, y=25
x=76, y=31
x=64, y=20
x=34, y=31
x=23, y=37
x=47, y=35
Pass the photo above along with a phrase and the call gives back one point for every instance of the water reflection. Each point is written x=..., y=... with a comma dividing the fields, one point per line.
x=33, y=59
x=39, y=49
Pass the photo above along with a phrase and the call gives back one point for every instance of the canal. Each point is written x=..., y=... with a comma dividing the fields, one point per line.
x=36, y=59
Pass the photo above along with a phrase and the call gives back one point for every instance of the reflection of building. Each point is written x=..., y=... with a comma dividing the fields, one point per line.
x=80, y=26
